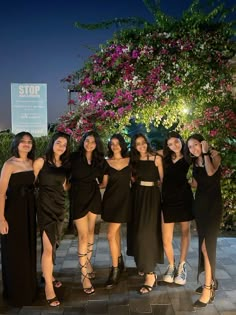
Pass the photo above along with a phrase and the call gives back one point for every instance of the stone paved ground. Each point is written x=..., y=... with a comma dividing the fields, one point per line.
x=124, y=299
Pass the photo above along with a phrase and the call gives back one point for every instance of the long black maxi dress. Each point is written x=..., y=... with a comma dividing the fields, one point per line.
x=51, y=202
x=208, y=213
x=144, y=231
x=19, y=245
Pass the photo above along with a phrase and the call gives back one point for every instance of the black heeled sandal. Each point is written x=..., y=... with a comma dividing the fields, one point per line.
x=146, y=287
x=56, y=283
x=92, y=274
x=89, y=290
x=200, y=304
x=214, y=284
x=55, y=299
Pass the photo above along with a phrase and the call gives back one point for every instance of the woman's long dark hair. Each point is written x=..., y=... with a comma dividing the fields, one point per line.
x=187, y=154
x=49, y=151
x=16, y=141
x=167, y=152
x=98, y=152
x=122, y=143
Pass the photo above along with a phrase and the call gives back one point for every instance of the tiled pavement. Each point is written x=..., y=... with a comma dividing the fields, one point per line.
x=124, y=299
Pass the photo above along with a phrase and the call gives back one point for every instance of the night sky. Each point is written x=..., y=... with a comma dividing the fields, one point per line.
x=39, y=43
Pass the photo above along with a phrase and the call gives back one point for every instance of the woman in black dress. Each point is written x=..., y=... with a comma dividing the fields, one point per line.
x=18, y=223
x=146, y=238
x=87, y=169
x=51, y=172
x=177, y=204
x=207, y=210
x=116, y=204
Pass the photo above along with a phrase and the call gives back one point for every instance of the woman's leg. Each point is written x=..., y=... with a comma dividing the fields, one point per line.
x=167, y=236
x=83, y=232
x=91, y=227
x=181, y=275
x=206, y=293
x=113, y=236
x=121, y=264
x=47, y=269
x=185, y=240
x=118, y=240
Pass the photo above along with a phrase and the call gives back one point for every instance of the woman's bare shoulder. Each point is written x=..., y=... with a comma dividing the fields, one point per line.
x=160, y=152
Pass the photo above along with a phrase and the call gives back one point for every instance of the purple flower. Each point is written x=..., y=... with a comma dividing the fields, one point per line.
x=135, y=54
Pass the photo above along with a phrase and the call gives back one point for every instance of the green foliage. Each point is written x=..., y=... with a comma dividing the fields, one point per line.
x=117, y=22
x=228, y=188
x=5, y=144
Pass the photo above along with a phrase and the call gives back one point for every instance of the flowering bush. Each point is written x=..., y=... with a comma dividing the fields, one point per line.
x=171, y=71
x=154, y=74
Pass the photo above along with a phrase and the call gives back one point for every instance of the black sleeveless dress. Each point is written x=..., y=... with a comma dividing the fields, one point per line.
x=19, y=245
x=144, y=231
x=85, y=194
x=51, y=202
x=116, y=203
x=208, y=213
x=177, y=195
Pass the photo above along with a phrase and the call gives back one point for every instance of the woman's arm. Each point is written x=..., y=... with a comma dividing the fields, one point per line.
x=66, y=185
x=37, y=166
x=7, y=170
x=192, y=182
x=211, y=163
x=159, y=165
x=104, y=182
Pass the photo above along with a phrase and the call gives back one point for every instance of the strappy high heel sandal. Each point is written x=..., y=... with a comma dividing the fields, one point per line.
x=56, y=283
x=200, y=304
x=214, y=284
x=91, y=274
x=84, y=276
x=145, y=288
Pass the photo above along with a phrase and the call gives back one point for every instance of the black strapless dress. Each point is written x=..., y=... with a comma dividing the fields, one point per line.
x=19, y=245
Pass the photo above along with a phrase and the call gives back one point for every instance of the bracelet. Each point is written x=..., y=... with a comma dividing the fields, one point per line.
x=207, y=153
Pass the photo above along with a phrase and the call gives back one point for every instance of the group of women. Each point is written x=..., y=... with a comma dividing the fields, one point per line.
x=146, y=189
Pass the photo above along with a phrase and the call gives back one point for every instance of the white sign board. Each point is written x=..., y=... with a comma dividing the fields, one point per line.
x=29, y=108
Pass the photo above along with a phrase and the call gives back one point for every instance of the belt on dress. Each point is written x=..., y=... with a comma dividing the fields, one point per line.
x=148, y=184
